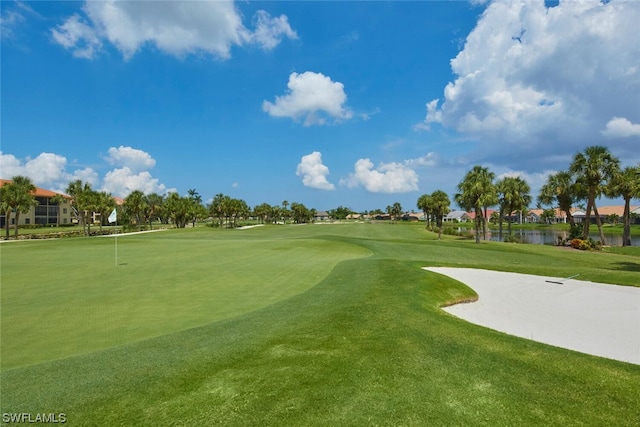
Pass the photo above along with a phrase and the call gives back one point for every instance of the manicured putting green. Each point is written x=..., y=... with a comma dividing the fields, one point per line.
x=66, y=297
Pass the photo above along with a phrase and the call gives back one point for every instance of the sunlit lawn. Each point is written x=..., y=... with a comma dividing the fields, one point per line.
x=290, y=325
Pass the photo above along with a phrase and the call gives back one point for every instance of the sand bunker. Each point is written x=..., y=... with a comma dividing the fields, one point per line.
x=593, y=318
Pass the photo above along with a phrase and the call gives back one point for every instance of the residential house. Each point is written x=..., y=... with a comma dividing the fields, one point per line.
x=413, y=216
x=604, y=212
x=46, y=212
x=321, y=216
x=559, y=218
x=456, y=216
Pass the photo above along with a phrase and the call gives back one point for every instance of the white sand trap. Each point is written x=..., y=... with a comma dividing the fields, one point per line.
x=132, y=233
x=592, y=318
x=246, y=227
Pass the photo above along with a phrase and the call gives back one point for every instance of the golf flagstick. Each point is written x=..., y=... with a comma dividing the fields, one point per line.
x=114, y=218
x=559, y=282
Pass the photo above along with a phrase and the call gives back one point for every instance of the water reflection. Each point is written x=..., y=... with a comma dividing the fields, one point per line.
x=550, y=237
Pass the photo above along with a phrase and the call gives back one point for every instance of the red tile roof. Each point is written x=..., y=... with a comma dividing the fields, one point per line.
x=40, y=192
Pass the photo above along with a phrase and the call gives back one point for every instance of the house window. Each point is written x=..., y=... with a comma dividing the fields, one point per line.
x=27, y=221
x=64, y=220
x=64, y=211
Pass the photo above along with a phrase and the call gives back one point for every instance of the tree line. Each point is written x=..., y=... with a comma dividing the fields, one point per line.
x=140, y=210
x=593, y=173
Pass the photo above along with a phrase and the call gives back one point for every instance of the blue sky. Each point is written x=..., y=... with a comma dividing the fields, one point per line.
x=359, y=104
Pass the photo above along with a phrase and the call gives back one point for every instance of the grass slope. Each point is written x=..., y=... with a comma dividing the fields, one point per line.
x=74, y=298
x=366, y=345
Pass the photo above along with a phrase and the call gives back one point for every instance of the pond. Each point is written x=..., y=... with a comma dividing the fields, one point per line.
x=550, y=237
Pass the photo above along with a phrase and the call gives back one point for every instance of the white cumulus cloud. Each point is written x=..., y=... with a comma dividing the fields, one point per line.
x=122, y=181
x=314, y=172
x=47, y=170
x=311, y=96
x=545, y=77
x=386, y=178
x=621, y=127
x=132, y=158
x=131, y=172
x=51, y=171
x=178, y=28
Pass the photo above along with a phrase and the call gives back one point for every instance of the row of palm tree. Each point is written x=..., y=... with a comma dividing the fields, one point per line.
x=434, y=206
x=139, y=209
x=593, y=173
x=16, y=196
x=394, y=211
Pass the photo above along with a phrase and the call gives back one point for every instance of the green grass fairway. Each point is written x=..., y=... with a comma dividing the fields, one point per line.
x=61, y=298
x=290, y=325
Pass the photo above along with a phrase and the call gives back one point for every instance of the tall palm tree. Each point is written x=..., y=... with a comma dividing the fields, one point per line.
x=440, y=203
x=513, y=195
x=196, y=208
x=104, y=205
x=594, y=167
x=218, y=207
x=562, y=189
x=396, y=210
x=17, y=196
x=424, y=204
x=477, y=192
x=135, y=204
x=178, y=209
x=285, y=212
x=154, y=203
x=625, y=184
x=82, y=198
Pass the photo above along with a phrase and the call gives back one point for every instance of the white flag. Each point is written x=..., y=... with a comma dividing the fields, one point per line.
x=112, y=217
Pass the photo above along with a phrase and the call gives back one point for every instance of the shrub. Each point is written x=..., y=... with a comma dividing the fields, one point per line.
x=513, y=239
x=575, y=232
x=595, y=245
x=584, y=245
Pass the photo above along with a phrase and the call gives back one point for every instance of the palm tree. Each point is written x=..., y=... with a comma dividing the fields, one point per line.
x=135, y=204
x=178, y=209
x=394, y=211
x=104, y=205
x=262, y=211
x=440, y=204
x=513, y=195
x=196, y=200
x=154, y=202
x=285, y=213
x=17, y=196
x=7, y=197
x=594, y=168
x=561, y=188
x=625, y=184
x=82, y=199
x=218, y=207
x=477, y=192
x=424, y=204
x=58, y=199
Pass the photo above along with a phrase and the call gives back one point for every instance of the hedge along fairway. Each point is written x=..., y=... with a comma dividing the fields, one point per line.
x=366, y=345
